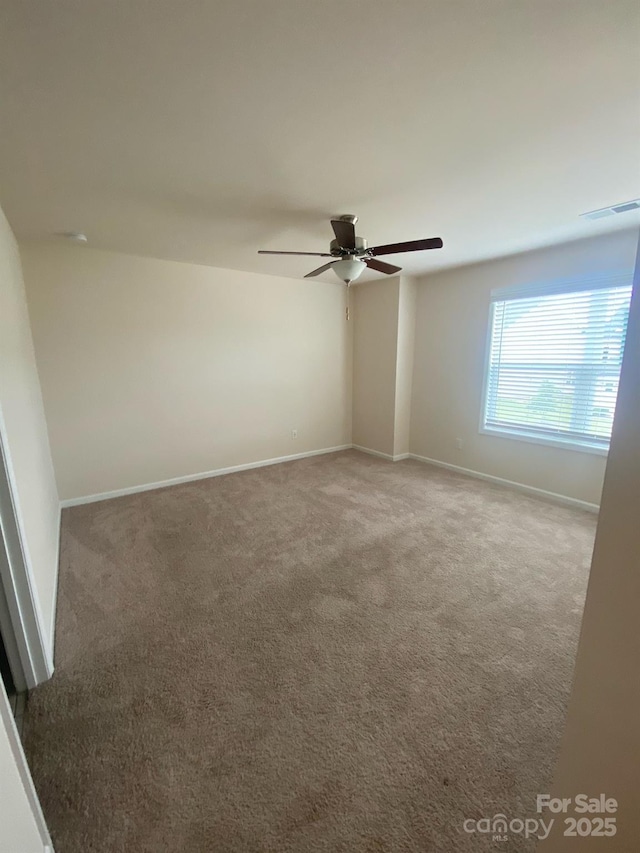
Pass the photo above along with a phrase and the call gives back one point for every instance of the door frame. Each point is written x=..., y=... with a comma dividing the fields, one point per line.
x=8, y=724
x=20, y=618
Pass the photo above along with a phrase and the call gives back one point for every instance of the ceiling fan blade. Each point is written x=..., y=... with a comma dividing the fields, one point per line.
x=381, y=266
x=411, y=246
x=312, y=254
x=345, y=233
x=320, y=269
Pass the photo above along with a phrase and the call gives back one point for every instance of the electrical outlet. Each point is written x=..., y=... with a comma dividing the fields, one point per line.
x=459, y=443
x=294, y=433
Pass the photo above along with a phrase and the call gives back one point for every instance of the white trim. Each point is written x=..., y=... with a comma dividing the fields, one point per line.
x=19, y=586
x=372, y=452
x=220, y=472
x=190, y=478
x=484, y=399
x=521, y=487
x=539, y=438
x=528, y=289
x=15, y=745
x=397, y=458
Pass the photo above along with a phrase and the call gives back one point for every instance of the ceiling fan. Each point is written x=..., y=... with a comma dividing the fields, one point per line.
x=352, y=255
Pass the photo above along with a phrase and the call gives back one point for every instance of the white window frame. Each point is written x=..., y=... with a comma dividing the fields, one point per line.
x=622, y=278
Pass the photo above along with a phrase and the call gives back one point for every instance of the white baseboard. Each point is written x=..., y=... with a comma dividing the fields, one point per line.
x=190, y=478
x=521, y=487
x=219, y=472
x=372, y=452
x=380, y=454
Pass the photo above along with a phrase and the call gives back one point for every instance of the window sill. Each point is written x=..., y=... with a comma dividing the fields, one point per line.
x=533, y=438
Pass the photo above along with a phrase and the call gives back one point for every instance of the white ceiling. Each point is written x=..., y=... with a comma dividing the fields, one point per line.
x=202, y=131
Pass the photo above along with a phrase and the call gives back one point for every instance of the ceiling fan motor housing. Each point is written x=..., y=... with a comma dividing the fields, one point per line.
x=336, y=249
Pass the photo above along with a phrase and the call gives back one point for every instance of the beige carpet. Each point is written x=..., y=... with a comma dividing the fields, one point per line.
x=335, y=654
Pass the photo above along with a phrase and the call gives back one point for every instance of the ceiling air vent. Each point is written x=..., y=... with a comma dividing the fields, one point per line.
x=623, y=207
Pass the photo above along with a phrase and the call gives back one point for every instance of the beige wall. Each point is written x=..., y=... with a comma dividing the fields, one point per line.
x=601, y=747
x=383, y=340
x=24, y=438
x=451, y=333
x=375, y=345
x=407, y=297
x=153, y=370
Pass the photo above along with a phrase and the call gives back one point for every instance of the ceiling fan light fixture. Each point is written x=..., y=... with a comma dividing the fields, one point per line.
x=348, y=269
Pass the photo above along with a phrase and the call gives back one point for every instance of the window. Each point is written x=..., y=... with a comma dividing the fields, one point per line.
x=554, y=361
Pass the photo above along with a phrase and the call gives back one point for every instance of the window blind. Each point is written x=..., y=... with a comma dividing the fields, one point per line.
x=554, y=360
